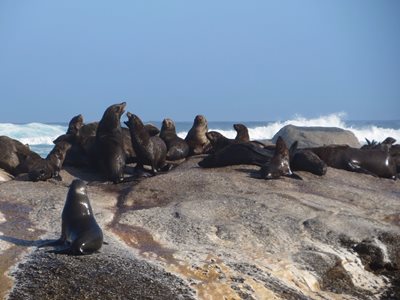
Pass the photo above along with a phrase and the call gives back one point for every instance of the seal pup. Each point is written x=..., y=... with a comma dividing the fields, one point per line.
x=279, y=164
x=51, y=166
x=177, y=148
x=242, y=133
x=150, y=150
x=196, y=137
x=109, y=145
x=80, y=233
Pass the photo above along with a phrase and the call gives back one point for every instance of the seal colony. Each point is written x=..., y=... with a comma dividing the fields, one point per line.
x=108, y=148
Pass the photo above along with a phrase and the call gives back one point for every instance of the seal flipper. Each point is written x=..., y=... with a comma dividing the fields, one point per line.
x=52, y=243
x=355, y=167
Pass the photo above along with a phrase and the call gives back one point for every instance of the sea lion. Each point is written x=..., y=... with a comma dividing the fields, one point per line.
x=196, y=137
x=109, y=145
x=376, y=162
x=150, y=150
x=177, y=148
x=51, y=166
x=80, y=233
x=237, y=154
x=279, y=164
x=242, y=133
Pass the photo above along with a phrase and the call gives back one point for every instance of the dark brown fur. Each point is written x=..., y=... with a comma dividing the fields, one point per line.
x=150, y=150
x=176, y=146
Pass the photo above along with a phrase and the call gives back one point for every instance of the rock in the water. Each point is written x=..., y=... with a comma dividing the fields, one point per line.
x=316, y=136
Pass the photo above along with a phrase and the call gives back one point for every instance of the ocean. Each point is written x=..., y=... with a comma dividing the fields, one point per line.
x=40, y=136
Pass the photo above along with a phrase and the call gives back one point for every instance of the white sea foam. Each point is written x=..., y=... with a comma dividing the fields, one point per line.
x=40, y=136
x=32, y=133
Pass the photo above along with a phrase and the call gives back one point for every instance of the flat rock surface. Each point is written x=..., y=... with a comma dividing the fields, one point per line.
x=197, y=233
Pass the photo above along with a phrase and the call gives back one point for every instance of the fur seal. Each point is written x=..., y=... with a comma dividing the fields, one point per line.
x=109, y=145
x=15, y=157
x=306, y=160
x=50, y=167
x=80, y=233
x=74, y=125
x=150, y=150
x=376, y=162
x=196, y=137
x=279, y=164
x=176, y=146
x=237, y=154
x=242, y=133
x=218, y=141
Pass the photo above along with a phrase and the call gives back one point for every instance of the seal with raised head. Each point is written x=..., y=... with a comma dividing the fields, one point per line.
x=279, y=164
x=150, y=150
x=196, y=137
x=242, y=133
x=109, y=145
x=218, y=141
x=50, y=167
x=80, y=233
x=177, y=148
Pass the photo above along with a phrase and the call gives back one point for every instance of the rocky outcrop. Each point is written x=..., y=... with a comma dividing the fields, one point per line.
x=316, y=136
x=196, y=233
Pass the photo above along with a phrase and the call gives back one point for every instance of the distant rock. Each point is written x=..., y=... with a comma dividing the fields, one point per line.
x=316, y=136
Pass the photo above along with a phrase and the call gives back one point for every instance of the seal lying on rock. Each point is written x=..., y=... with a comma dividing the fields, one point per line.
x=237, y=154
x=376, y=162
x=389, y=145
x=15, y=157
x=150, y=150
x=306, y=160
x=279, y=164
x=51, y=166
x=109, y=145
x=80, y=233
x=196, y=137
x=176, y=146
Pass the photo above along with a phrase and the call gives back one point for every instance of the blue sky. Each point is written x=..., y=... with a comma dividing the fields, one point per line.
x=229, y=60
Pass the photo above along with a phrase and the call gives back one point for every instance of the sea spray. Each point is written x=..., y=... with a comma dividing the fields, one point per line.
x=40, y=136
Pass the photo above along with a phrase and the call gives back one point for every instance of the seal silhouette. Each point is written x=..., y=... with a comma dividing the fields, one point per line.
x=150, y=150
x=80, y=233
x=109, y=145
x=177, y=148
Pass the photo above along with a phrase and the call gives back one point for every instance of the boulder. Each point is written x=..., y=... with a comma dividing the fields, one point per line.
x=316, y=136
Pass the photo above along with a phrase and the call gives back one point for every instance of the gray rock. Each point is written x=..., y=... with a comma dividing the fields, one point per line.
x=209, y=233
x=316, y=136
